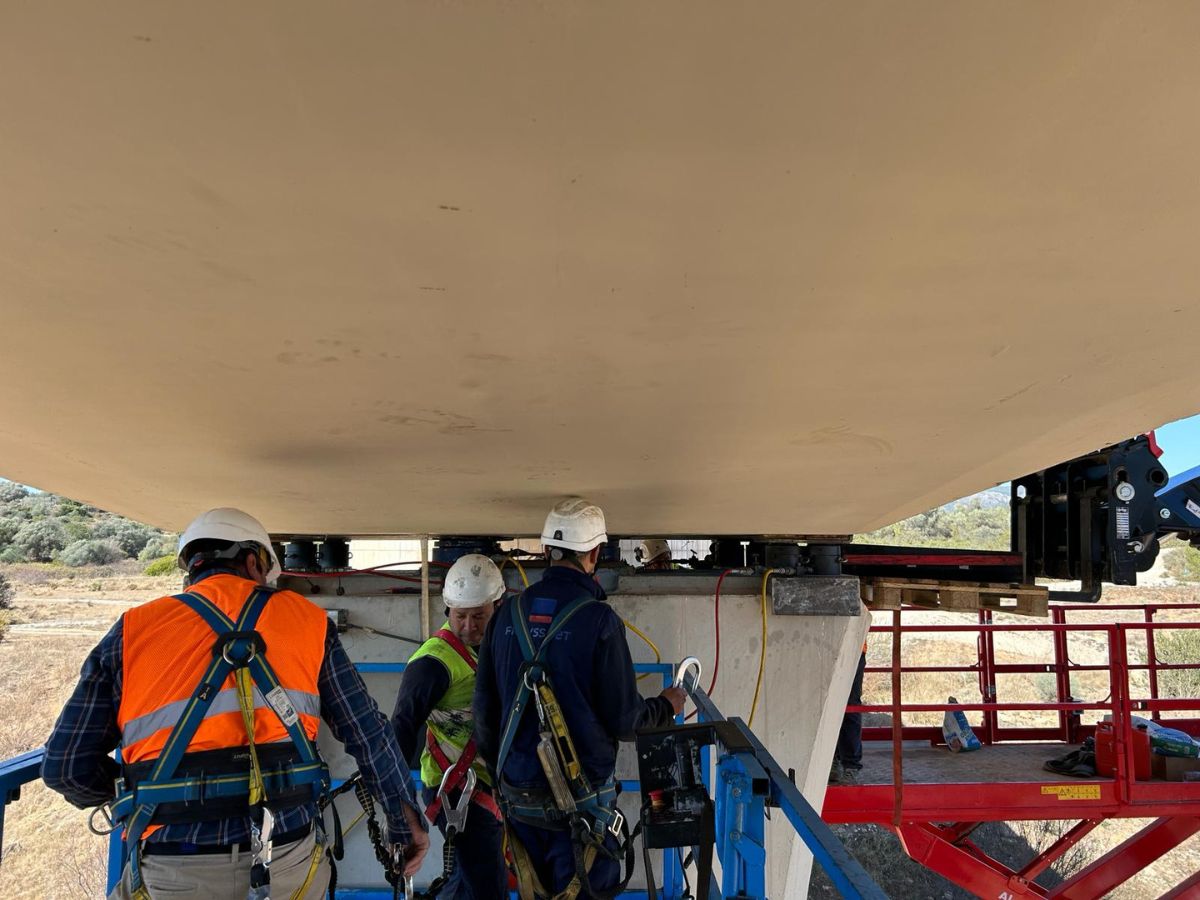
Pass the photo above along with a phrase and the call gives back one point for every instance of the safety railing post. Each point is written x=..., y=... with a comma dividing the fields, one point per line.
x=1121, y=722
x=15, y=772
x=1062, y=674
x=672, y=871
x=987, y=678
x=897, y=723
x=741, y=831
x=1152, y=662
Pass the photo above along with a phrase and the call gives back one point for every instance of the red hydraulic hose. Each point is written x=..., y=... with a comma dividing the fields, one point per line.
x=716, y=637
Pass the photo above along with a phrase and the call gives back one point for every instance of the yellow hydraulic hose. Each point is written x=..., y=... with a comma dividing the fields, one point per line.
x=762, y=653
x=520, y=569
x=649, y=643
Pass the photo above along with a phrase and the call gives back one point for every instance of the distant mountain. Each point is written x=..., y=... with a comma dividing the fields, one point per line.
x=989, y=499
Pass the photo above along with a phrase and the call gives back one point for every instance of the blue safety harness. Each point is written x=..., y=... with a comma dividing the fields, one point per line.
x=237, y=646
x=599, y=804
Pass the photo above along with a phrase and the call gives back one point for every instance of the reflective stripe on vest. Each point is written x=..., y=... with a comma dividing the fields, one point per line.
x=451, y=722
x=167, y=648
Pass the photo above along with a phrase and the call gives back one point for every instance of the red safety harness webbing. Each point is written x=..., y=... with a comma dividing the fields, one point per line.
x=458, y=773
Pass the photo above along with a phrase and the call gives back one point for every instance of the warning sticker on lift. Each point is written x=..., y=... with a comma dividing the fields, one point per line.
x=1072, y=791
x=1193, y=507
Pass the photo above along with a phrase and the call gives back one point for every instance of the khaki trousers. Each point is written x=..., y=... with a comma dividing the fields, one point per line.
x=226, y=876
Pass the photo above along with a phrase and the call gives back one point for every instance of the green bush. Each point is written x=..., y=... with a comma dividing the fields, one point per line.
x=129, y=536
x=12, y=555
x=159, y=545
x=92, y=553
x=6, y=593
x=77, y=529
x=164, y=565
x=1182, y=563
x=40, y=540
x=9, y=526
x=1182, y=646
x=11, y=492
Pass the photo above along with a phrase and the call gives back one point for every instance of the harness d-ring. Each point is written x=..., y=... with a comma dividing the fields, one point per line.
x=525, y=678
x=239, y=663
x=105, y=810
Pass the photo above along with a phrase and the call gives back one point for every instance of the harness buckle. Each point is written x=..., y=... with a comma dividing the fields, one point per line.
x=617, y=823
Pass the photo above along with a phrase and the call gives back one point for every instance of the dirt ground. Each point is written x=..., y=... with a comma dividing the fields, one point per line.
x=58, y=616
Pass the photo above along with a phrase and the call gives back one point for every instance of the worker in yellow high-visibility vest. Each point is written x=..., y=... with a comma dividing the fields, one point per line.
x=436, y=693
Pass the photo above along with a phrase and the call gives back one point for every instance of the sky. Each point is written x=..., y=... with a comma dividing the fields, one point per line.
x=1180, y=443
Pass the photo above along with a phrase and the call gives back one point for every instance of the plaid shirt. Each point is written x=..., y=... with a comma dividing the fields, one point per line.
x=78, y=765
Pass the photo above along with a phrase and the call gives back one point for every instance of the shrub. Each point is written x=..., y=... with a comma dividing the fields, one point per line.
x=1183, y=563
x=77, y=529
x=164, y=565
x=9, y=526
x=92, y=553
x=129, y=536
x=159, y=545
x=11, y=492
x=1182, y=646
x=12, y=555
x=40, y=540
x=6, y=593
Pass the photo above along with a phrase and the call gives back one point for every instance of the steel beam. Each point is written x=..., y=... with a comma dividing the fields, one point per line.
x=1126, y=860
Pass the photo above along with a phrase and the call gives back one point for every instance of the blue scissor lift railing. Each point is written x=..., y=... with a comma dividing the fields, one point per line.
x=748, y=781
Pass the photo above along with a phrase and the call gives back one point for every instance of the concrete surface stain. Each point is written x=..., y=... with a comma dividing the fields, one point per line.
x=841, y=434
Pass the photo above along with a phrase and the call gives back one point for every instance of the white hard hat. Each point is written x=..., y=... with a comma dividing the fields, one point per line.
x=574, y=524
x=473, y=580
x=651, y=549
x=228, y=524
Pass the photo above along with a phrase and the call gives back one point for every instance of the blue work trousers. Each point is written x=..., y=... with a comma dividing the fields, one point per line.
x=554, y=859
x=479, y=870
x=849, y=744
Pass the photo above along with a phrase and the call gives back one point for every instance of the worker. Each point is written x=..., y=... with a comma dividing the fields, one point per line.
x=183, y=686
x=559, y=648
x=436, y=691
x=654, y=554
x=847, y=758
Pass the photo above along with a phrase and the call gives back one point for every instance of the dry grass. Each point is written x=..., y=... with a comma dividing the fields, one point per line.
x=48, y=851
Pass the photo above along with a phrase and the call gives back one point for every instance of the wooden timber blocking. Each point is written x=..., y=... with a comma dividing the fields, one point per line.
x=892, y=593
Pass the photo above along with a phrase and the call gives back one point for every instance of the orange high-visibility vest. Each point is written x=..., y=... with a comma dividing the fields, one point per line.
x=168, y=647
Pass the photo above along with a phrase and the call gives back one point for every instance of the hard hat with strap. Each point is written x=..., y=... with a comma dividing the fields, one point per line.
x=239, y=650
x=231, y=526
x=574, y=524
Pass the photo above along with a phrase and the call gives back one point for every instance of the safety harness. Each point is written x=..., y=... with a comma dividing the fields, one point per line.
x=455, y=774
x=572, y=804
x=199, y=794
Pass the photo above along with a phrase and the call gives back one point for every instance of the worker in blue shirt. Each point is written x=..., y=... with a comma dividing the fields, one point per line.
x=589, y=666
x=435, y=697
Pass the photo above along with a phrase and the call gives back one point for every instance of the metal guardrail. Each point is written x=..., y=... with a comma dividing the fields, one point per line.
x=14, y=773
x=749, y=780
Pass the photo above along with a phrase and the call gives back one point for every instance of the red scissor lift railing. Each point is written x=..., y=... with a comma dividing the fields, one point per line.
x=934, y=819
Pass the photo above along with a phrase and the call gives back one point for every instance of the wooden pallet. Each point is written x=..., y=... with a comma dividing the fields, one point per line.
x=892, y=593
